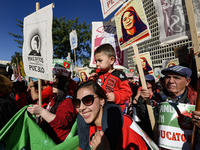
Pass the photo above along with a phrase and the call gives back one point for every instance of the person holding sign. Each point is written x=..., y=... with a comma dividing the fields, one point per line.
x=60, y=114
x=113, y=82
x=102, y=125
x=131, y=25
x=177, y=90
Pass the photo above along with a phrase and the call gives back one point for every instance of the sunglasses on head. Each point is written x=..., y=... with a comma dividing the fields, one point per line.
x=87, y=100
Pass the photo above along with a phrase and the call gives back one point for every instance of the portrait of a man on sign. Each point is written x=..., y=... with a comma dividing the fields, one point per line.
x=131, y=23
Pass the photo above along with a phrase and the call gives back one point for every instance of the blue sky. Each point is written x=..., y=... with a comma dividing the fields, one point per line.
x=86, y=10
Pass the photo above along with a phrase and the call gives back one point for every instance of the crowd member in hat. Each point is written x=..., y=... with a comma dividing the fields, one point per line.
x=177, y=89
x=60, y=114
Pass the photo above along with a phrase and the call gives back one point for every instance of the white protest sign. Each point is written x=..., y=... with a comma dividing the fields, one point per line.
x=37, y=46
x=108, y=6
x=73, y=39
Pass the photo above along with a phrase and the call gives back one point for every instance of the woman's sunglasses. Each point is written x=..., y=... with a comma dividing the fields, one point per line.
x=87, y=100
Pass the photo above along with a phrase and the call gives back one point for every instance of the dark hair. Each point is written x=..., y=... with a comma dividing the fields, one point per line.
x=95, y=87
x=63, y=86
x=107, y=49
x=5, y=84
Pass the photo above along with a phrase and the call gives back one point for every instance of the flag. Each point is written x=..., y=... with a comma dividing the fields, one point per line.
x=21, y=132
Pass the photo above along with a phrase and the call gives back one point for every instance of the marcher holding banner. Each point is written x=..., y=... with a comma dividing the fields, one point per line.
x=59, y=119
x=101, y=124
x=177, y=90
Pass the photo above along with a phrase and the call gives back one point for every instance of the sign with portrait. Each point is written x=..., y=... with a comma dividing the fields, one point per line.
x=73, y=39
x=61, y=66
x=105, y=32
x=131, y=23
x=83, y=74
x=108, y=6
x=37, y=46
x=146, y=62
x=130, y=72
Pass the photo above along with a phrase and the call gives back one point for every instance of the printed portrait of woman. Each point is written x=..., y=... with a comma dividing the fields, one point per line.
x=131, y=25
x=83, y=76
x=145, y=65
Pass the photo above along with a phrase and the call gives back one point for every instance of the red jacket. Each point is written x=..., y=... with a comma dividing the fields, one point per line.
x=65, y=117
x=47, y=94
x=129, y=140
x=117, y=83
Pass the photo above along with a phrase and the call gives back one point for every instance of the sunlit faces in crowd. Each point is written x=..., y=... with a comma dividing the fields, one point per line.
x=92, y=113
x=128, y=20
x=104, y=62
x=175, y=83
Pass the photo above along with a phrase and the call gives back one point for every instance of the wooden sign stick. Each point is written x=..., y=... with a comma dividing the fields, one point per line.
x=193, y=31
x=39, y=80
x=144, y=85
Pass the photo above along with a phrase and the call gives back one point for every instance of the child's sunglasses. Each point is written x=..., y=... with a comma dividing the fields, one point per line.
x=87, y=100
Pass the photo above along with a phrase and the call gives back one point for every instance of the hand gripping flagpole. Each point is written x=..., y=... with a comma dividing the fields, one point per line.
x=148, y=103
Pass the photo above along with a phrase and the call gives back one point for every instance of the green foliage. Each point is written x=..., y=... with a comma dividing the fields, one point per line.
x=18, y=38
x=61, y=43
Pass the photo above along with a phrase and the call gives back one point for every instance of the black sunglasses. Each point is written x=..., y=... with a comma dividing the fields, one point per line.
x=87, y=100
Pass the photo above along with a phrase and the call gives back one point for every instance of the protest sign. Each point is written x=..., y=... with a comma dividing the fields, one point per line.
x=172, y=62
x=131, y=72
x=37, y=46
x=61, y=66
x=73, y=39
x=131, y=23
x=83, y=74
x=105, y=32
x=108, y=6
x=173, y=20
x=175, y=125
x=146, y=62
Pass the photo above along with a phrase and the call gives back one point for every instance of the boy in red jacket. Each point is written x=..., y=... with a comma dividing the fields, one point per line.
x=113, y=82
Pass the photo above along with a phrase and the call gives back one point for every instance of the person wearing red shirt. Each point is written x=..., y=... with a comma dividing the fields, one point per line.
x=102, y=125
x=60, y=114
x=113, y=82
